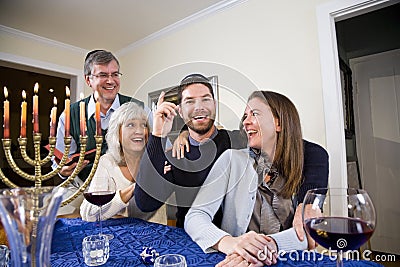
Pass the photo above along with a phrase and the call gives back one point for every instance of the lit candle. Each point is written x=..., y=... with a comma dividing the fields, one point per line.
x=36, y=109
x=23, y=115
x=67, y=112
x=53, y=119
x=97, y=115
x=82, y=116
x=6, y=125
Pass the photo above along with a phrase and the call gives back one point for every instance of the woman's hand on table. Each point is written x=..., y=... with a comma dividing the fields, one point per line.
x=235, y=260
x=251, y=247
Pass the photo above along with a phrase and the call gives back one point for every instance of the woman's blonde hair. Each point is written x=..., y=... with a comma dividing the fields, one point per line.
x=289, y=154
x=126, y=112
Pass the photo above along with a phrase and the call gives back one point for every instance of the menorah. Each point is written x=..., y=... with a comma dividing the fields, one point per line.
x=28, y=214
x=38, y=163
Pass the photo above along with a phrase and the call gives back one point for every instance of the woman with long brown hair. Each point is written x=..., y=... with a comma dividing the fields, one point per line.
x=259, y=188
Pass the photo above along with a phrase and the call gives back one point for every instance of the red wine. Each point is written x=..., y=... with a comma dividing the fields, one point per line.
x=339, y=233
x=99, y=198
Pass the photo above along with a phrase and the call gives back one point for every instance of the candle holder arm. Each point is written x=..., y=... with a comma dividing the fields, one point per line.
x=11, y=162
x=52, y=144
x=67, y=146
x=99, y=142
x=22, y=147
x=83, y=140
x=6, y=181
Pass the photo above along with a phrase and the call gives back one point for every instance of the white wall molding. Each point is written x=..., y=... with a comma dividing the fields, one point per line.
x=40, y=39
x=221, y=6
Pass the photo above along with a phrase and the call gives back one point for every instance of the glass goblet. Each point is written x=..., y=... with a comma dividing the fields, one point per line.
x=339, y=219
x=100, y=192
x=170, y=260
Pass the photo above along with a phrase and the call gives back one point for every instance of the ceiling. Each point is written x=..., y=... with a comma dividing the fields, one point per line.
x=118, y=24
x=90, y=24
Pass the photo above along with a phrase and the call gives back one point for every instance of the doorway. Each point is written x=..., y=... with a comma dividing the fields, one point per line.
x=377, y=102
x=328, y=15
x=366, y=45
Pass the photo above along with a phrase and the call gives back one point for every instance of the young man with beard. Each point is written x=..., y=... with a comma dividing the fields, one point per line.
x=185, y=176
x=161, y=174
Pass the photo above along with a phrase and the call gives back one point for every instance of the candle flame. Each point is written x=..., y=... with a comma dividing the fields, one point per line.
x=55, y=101
x=36, y=88
x=23, y=95
x=67, y=91
x=5, y=92
x=96, y=95
x=82, y=96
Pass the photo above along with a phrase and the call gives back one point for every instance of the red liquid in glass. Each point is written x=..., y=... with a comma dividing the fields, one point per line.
x=99, y=198
x=339, y=233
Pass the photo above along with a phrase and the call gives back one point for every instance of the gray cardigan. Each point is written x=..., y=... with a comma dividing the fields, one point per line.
x=232, y=184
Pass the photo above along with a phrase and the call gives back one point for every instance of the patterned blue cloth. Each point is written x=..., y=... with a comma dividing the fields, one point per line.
x=131, y=235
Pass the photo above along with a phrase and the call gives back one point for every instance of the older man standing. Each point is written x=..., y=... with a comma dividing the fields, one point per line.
x=102, y=74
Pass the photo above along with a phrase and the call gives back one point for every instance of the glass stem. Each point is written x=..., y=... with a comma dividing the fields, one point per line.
x=339, y=260
x=101, y=227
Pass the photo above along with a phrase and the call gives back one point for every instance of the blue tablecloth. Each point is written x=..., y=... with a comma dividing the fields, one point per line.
x=130, y=235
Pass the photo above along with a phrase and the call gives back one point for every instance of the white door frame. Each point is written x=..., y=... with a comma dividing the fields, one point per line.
x=327, y=15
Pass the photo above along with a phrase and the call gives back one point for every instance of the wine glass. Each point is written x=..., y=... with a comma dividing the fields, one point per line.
x=100, y=193
x=339, y=219
x=170, y=260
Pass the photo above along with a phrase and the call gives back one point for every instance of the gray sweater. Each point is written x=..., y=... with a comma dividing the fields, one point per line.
x=232, y=184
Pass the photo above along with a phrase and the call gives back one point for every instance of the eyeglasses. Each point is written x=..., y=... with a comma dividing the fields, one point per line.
x=104, y=76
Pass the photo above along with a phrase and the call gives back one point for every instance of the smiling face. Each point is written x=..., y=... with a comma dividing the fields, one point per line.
x=197, y=108
x=260, y=125
x=107, y=88
x=133, y=136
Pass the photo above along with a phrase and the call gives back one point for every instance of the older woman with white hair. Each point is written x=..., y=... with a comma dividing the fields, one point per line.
x=126, y=138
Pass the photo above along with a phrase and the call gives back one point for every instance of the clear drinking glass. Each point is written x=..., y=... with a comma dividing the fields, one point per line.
x=95, y=250
x=99, y=194
x=339, y=219
x=4, y=256
x=170, y=260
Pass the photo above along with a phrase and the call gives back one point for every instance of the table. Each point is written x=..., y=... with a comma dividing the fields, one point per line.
x=131, y=234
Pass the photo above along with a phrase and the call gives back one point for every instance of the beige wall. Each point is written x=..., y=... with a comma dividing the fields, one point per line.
x=272, y=43
x=256, y=44
x=24, y=47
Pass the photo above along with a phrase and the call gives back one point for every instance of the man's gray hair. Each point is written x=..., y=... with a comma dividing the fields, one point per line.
x=97, y=57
